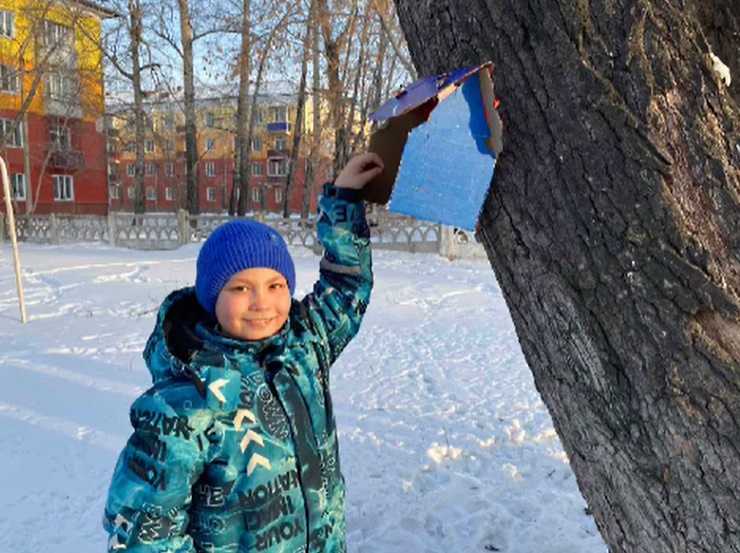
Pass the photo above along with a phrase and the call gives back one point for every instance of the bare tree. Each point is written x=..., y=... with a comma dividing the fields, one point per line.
x=124, y=47
x=244, y=124
x=613, y=226
x=300, y=111
x=195, y=22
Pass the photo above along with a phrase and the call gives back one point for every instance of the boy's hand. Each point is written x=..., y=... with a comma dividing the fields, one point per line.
x=359, y=171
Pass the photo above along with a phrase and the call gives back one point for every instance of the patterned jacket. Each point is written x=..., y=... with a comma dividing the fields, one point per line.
x=234, y=447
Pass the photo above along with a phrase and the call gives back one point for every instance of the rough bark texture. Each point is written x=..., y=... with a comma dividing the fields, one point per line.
x=613, y=226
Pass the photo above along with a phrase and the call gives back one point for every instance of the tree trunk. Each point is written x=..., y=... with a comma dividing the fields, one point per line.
x=335, y=93
x=241, y=175
x=613, y=227
x=298, y=128
x=720, y=20
x=192, y=192
x=136, y=39
x=314, y=152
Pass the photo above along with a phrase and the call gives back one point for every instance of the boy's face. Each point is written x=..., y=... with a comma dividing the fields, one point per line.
x=254, y=304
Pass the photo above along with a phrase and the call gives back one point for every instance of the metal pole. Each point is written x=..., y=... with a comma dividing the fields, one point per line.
x=13, y=239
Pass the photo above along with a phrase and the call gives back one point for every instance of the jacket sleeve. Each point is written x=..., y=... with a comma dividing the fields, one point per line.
x=150, y=492
x=341, y=295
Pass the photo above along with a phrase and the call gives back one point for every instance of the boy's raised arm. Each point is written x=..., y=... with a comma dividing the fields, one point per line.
x=150, y=491
x=341, y=295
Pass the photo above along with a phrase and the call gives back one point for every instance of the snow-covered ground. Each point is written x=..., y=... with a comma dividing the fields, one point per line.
x=445, y=443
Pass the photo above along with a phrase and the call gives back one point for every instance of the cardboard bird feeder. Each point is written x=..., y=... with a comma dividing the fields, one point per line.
x=439, y=139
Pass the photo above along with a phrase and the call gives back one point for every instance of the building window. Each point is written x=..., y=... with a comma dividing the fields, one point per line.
x=18, y=186
x=112, y=168
x=131, y=169
x=276, y=168
x=151, y=193
x=169, y=194
x=210, y=169
x=60, y=138
x=255, y=194
x=211, y=194
x=55, y=33
x=113, y=192
x=7, y=28
x=279, y=114
x=281, y=143
x=210, y=144
x=169, y=146
x=131, y=193
x=258, y=116
x=149, y=147
x=169, y=121
x=8, y=79
x=131, y=123
x=149, y=122
x=63, y=188
x=210, y=120
x=130, y=148
x=169, y=168
x=60, y=86
x=15, y=140
x=257, y=169
x=233, y=144
x=111, y=148
x=256, y=144
x=150, y=169
x=279, y=194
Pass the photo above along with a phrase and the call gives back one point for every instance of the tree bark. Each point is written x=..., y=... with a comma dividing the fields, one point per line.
x=316, y=131
x=720, y=20
x=241, y=175
x=335, y=92
x=613, y=227
x=135, y=16
x=192, y=192
x=299, y=117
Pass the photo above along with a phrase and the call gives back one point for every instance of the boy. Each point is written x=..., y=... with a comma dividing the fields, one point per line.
x=234, y=447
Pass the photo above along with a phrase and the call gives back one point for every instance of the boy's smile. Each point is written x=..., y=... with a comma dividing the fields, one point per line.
x=254, y=304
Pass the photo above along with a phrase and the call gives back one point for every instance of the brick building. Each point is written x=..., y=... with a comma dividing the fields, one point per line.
x=164, y=152
x=50, y=59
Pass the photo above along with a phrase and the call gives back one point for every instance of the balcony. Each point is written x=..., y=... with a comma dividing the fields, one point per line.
x=67, y=159
x=62, y=107
x=279, y=127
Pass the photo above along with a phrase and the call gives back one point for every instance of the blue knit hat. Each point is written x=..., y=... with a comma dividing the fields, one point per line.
x=235, y=247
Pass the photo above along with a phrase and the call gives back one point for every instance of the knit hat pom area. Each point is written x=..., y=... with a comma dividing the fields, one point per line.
x=233, y=248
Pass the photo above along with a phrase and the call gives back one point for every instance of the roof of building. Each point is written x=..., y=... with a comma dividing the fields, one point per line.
x=165, y=102
x=98, y=8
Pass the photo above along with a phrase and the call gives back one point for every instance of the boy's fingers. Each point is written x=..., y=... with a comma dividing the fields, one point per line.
x=369, y=175
x=371, y=158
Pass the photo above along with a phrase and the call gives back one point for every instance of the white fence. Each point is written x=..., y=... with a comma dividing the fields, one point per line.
x=166, y=231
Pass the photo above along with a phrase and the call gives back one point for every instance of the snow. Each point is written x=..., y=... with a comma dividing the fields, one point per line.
x=721, y=71
x=445, y=443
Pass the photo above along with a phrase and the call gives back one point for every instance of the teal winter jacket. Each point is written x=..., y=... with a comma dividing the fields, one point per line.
x=234, y=447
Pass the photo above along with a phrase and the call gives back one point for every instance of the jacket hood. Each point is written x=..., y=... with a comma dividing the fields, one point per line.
x=186, y=344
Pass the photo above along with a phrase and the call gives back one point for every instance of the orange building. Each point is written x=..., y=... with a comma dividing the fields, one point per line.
x=50, y=59
x=164, y=153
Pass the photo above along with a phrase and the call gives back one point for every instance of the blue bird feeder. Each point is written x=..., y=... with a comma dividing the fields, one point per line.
x=439, y=139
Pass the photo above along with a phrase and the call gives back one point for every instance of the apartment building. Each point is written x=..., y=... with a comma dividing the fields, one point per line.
x=164, y=153
x=51, y=65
